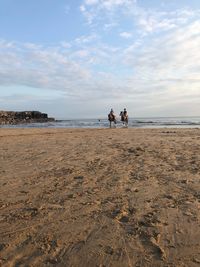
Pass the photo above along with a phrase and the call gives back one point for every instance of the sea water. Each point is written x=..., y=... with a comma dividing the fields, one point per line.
x=157, y=122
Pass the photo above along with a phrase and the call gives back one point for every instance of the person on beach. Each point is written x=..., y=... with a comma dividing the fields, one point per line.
x=124, y=117
x=112, y=117
x=112, y=114
x=125, y=113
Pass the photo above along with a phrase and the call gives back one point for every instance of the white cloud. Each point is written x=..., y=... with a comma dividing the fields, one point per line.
x=154, y=20
x=109, y=3
x=41, y=68
x=6, y=45
x=170, y=64
x=126, y=35
x=111, y=12
x=67, y=9
x=110, y=26
x=91, y=2
x=65, y=44
x=160, y=66
x=86, y=39
x=95, y=11
x=82, y=8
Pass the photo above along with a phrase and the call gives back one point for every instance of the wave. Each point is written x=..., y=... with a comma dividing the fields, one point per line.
x=103, y=123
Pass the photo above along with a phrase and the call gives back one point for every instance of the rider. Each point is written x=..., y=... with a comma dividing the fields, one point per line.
x=124, y=117
x=112, y=114
x=121, y=114
x=125, y=113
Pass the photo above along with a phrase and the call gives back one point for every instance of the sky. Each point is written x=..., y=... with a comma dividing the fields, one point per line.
x=80, y=58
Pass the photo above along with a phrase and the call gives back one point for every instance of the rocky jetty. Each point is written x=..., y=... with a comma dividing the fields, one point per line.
x=12, y=117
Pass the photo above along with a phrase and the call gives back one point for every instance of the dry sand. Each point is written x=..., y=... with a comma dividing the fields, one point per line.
x=99, y=198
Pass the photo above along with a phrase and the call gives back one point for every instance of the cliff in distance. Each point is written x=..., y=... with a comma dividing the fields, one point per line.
x=12, y=117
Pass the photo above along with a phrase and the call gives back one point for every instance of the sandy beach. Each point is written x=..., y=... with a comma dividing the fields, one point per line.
x=100, y=197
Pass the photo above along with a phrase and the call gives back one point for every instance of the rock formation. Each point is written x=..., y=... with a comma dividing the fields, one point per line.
x=12, y=117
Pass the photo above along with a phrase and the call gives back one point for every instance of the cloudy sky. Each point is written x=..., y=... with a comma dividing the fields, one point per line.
x=79, y=58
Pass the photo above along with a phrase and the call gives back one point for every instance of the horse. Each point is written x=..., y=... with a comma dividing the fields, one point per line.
x=124, y=118
x=111, y=119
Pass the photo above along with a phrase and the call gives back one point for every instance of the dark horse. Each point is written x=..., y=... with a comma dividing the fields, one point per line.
x=124, y=118
x=111, y=119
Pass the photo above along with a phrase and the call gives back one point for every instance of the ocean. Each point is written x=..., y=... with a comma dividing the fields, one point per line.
x=157, y=122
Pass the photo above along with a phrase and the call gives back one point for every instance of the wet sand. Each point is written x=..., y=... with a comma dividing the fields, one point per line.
x=99, y=198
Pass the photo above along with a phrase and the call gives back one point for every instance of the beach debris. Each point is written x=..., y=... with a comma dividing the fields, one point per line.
x=2, y=246
x=188, y=213
x=108, y=250
x=185, y=181
x=79, y=177
x=70, y=195
x=196, y=260
x=124, y=219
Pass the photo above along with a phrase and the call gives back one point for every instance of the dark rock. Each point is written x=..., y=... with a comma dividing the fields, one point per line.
x=12, y=117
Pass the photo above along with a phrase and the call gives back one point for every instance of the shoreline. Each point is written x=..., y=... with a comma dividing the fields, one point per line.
x=100, y=197
x=152, y=123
